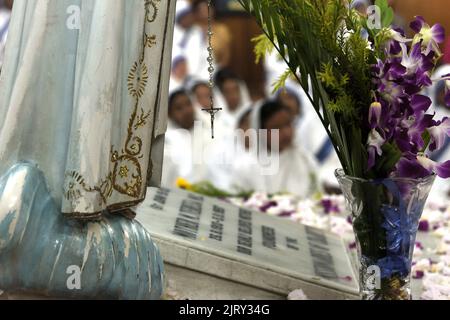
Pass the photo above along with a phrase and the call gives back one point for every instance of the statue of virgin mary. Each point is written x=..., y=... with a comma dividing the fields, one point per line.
x=83, y=98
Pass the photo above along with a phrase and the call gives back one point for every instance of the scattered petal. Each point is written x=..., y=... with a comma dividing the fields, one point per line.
x=297, y=295
x=424, y=226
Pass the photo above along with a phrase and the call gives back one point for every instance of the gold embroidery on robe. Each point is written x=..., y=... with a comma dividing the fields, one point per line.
x=126, y=174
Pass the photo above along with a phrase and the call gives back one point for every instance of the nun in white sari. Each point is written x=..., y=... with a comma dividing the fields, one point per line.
x=230, y=152
x=83, y=98
x=188, y=136
x=287, y=168
x=236, y=97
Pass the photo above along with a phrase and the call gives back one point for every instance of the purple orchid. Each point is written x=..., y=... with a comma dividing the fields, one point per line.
x=413, y=129
x=420, y=104
x=429, y=35
x=441, y=169
x=438, y=134
x=375, y=142
x=398, y=35
x=435, y=33
x=421, y=167
x=410, y=168
x=400, y=114
x=412, y=61
x=417, y=65
x=375, y=114
x=391, y=91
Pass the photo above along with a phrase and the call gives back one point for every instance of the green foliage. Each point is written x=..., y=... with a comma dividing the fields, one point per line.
x=387, y=13
x=341, y=105
x=281, y=81
x=426, y=136
x=263, y=46
x=206, y=188
x=331, y=81
x=321, y=43
x=391, y=155
x=387, y=17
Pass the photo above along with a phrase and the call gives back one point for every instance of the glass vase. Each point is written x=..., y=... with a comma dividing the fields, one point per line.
x=385, y=217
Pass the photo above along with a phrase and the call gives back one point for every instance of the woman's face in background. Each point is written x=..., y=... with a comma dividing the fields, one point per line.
x=232, y=93
x=291, y=102
x=201, y=13
x=282, y=121
x=182, y=111
x=202, y=94
x=180, y=69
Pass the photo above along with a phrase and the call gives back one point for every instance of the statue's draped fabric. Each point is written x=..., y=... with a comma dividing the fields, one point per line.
x=83, y=93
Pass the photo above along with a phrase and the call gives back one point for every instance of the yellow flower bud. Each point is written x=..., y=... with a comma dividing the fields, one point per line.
x=183, y=184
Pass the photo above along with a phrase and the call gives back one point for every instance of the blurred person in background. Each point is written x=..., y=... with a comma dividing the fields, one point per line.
x=297, y=169
x=196, y=45
x=313, y=137
x=221, y=41
x=179, y=73
x=184, y=21
x=201, y=97
x=235, y=94
x=184, y=139
x=229, y=152
x=181, y=110
x=325, y=155
x=290, y=98
x=201, y=93
x=309, y=132
x=5, y=16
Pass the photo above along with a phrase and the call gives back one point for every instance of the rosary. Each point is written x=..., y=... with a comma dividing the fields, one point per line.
x=211, y=110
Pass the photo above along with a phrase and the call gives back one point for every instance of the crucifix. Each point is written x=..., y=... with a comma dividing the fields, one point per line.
x=211, y=110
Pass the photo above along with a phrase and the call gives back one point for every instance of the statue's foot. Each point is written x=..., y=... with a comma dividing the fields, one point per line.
x=43, y=253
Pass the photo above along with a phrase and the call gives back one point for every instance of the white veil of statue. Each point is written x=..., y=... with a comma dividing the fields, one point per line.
x=83, y=94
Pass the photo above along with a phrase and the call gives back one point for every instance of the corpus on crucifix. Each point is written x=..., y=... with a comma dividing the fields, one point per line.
x=212, y=111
